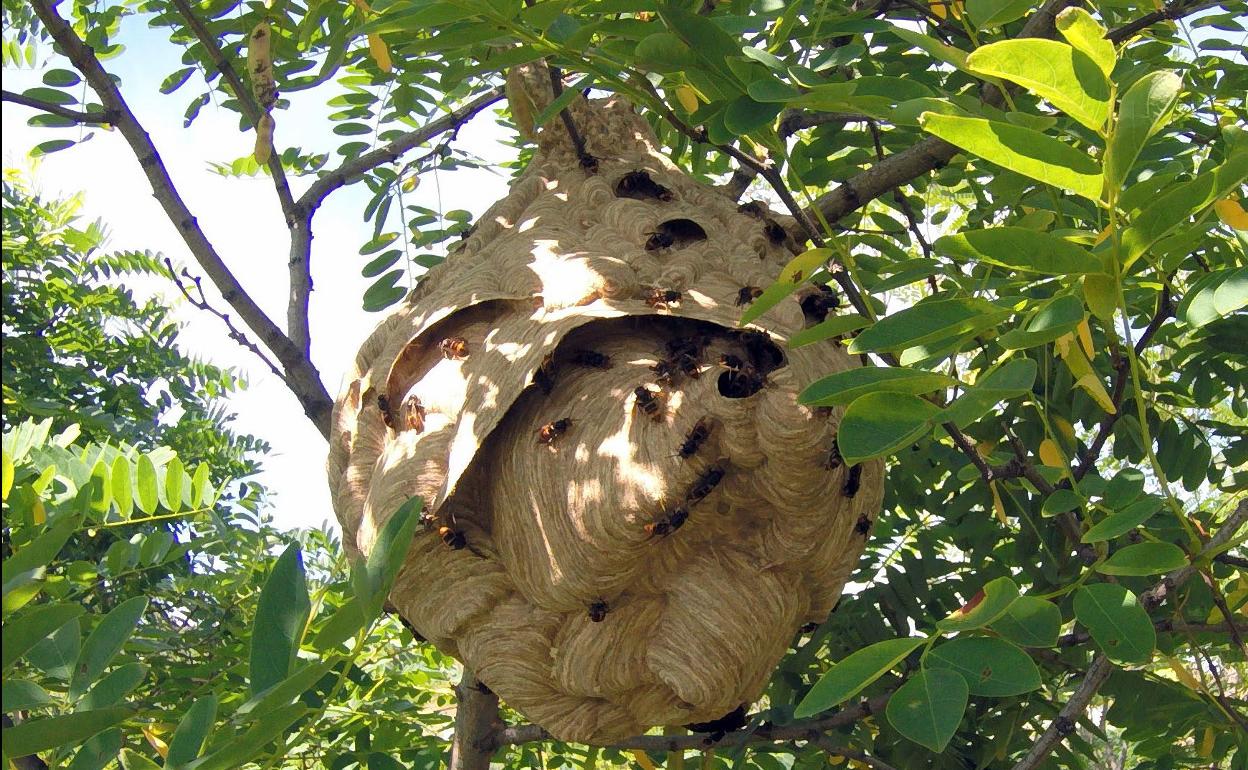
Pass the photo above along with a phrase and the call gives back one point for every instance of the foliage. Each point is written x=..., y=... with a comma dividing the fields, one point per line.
x=1056, y=311
x=81, y=348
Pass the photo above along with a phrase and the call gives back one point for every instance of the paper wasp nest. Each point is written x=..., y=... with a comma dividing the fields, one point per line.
x=649, y=559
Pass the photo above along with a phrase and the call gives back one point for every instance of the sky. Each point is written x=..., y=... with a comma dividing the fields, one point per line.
x=244, y=221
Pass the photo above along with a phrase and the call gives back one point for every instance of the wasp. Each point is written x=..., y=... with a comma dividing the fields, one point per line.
x=383, y=403
x=762, y=352
x=809, y=628
x=454, y=348
x=796, y=277
x=748, y=294
x=774, y=231
x=414, y=414
x=661, y=298
x=648, y=402
x=665, y=371
x=551, y=431
x=589, y=163
x=732, y=363
x=668, y=523
x=592, y=359
x=863, y=525
x=833, y=460
x=817, y=306
x=452, y=537
x=598, y=610
x=753, y=208
x=705, y=484
x=694, y=439
x=659, y=240
x=639, y=185
x=544, y=377
x=853, y=482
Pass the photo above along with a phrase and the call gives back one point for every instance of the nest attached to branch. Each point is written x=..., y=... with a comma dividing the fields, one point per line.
x=630, y=515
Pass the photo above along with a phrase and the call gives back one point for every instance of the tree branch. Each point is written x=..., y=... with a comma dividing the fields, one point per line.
x=928, y=154
x=299, y=264
x=301, y=376
x=1171, y=12
x=477, y=725
x=1101, y=667
x=55, y=109
x=201, y=302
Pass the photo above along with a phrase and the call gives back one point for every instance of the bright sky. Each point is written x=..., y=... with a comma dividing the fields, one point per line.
x=242, y=218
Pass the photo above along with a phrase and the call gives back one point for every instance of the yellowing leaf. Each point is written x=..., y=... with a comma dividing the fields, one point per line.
x=380, y=52
x=523, y=110
x=1092, y=385
x=687, y=97
x=1064, y=427
x=411, y=183
x=1102, y=235
x=161, y=747
x=1051, y=455
x=1085, y=337
x=997, y=505
x=1231, y=213
x=1206, y=742
x=38, y=513
x=1183, y=675
x=643, y=759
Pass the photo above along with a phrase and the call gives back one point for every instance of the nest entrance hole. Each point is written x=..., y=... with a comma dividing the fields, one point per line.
x=675, y=234
x=639, y=185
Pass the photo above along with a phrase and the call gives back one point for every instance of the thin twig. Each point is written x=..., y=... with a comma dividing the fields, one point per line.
x=77, y=116
x=586, y=160
x=1101, y=667
x=1172, y=12
x=302, y=377
x=202, y=303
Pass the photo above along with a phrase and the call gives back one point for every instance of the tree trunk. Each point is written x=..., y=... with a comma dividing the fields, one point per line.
x=476, y=724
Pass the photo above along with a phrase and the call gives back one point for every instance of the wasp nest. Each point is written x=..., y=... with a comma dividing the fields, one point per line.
x=630, y=515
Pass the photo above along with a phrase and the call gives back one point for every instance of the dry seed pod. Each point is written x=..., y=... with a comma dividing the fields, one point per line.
x=264, y=139
x=699, y=617
x=260, y=66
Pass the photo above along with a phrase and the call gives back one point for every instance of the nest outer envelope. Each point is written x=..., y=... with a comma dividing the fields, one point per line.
x=696, y=620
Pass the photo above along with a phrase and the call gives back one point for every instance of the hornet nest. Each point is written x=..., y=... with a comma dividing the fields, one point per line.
x=629, y=513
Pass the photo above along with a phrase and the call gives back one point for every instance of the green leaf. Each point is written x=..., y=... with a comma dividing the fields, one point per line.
x=133, y=760
x=843, y=387
x=1116, y=621
x=123, y=494
x=101, y=488
x=1145, y=108
x=1022, y=150
x=113, y=687
x=928, y=708
x=192, y=731
x=1060, y=73
x=176, y=80
x=61, y=78
x=1056, y=317
x=793, y=275
x=878, y=424
x=1143, y=559
x=201, y=488
x=833, y=327
x=99, y=750
x=342, y=625
x=1021, y=249
x=1086, y=34
x=285, y=691
x=1031, y=622
x=991, y=667
x=22, y=633
x=22, y=695
x=383, y=292
x=745, y=116
x=566, y=97
x=55, y=655
x=1122, y=522
x=36, y=735
x=994, y=13
x=281, y=616
x=1012, y=379
x=39, y=552
x=927, y=321
x=954, y=57
x=51, y=146
x=852, y=673
x=1060, y=501
x=105, y=642
x=145, y=485
x=239, y=750
x=372, y=583
x=1214, y=296
x=990, y=603
x=1172, y=208
x=664, y=52
x=174, y=473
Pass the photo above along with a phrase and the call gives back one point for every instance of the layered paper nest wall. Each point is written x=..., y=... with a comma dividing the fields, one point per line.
x=694, y=621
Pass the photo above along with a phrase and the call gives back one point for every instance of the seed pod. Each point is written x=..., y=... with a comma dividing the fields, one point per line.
x=260, y=66
x=264, y=139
